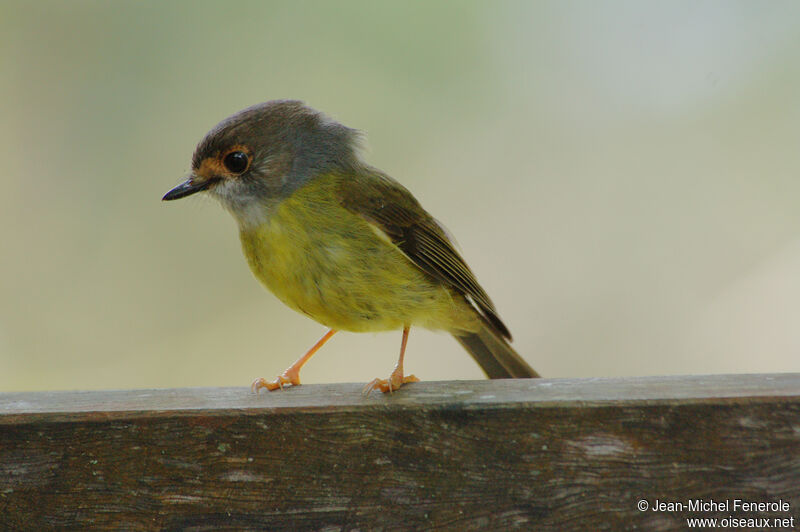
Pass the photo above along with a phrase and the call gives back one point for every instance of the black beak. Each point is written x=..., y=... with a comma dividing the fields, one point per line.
x=187, y=188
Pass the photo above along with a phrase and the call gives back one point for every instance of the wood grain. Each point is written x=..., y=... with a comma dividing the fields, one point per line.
x=539, y=454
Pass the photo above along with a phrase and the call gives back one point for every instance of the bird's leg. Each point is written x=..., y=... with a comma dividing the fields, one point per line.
x=292, y=373
x=396, y=379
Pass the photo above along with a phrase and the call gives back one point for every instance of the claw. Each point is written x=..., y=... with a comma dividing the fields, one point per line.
x=286, y=378
x=394, y=382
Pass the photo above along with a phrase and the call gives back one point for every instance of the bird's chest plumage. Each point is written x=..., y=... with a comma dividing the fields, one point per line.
x=330, y=264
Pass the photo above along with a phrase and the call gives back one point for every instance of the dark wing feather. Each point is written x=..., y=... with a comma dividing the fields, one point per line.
x=386, y=203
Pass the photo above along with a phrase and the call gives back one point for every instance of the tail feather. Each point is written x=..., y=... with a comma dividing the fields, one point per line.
x=494, y=355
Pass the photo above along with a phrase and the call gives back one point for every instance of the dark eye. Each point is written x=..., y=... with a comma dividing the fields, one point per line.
x=236, y=162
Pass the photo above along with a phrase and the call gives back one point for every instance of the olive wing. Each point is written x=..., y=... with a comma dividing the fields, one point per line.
x=385, y=203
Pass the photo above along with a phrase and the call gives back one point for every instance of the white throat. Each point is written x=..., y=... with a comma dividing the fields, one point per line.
x=249, y=210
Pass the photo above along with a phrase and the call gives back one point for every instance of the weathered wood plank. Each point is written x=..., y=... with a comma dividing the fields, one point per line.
x=524, y=454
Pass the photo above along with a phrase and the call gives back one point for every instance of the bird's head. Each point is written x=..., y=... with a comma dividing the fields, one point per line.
x=253, y=159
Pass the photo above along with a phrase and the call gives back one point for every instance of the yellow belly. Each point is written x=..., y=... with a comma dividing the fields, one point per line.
x=332, y=265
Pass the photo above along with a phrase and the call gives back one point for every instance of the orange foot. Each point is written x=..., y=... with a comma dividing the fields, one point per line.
x=288, y=377
x=394, y=382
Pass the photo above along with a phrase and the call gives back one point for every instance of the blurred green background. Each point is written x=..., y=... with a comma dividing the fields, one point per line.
x=622, y=177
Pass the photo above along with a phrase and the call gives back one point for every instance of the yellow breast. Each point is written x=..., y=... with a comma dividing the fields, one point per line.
x=332, y=265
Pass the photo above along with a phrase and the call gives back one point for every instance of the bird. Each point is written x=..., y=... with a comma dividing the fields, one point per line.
x=340, y=241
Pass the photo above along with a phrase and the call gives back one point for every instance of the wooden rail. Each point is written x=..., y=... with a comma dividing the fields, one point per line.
x=571, y=454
